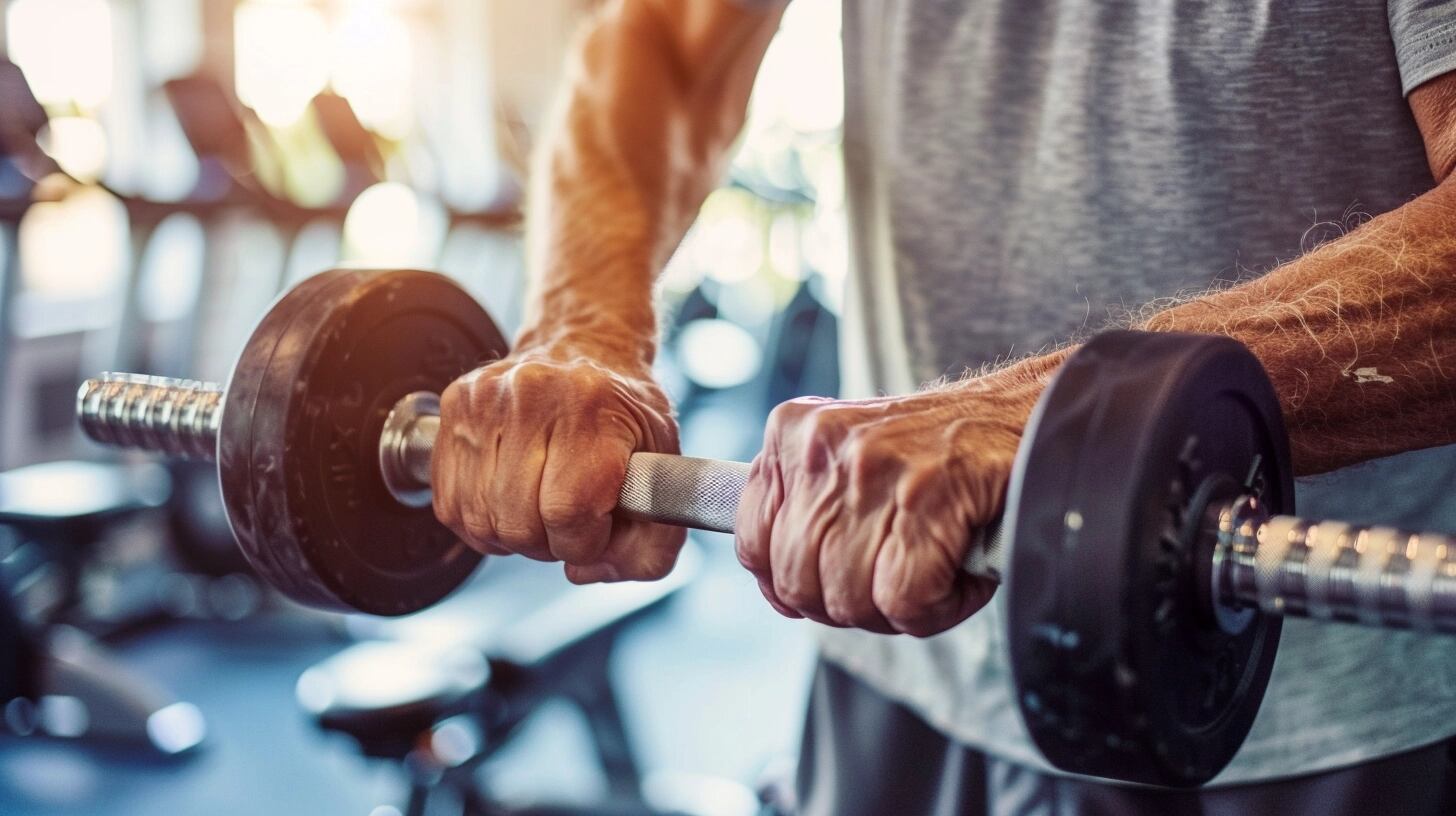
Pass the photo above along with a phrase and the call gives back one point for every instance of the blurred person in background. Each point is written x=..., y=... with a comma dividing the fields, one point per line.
x=1016, y=173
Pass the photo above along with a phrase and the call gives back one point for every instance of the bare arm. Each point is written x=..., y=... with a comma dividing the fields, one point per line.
x=534, y=447
x=856, y=512
x=658, y=92
x=1359, y=336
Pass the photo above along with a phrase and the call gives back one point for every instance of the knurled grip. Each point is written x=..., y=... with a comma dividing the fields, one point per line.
x=178, y=418
x=683, y=490
x=1330, y=570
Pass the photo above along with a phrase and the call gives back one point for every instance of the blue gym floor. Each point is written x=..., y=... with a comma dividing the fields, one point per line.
x=714, y=685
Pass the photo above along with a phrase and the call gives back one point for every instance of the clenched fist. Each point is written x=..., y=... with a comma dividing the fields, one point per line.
x=531, y=455
x=860, y=513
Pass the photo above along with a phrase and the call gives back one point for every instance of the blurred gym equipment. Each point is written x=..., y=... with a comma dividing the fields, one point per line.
x=60, y=681
x=444, y=709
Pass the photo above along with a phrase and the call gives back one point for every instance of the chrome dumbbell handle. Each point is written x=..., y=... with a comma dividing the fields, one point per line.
x=683, y=491
x=181, y=418
x=176, y=418
x=1330, y=570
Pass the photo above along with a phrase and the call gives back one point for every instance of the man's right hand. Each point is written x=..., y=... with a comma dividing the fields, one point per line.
x=533, y=451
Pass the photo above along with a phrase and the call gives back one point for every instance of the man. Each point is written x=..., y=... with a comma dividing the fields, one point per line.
x=1017, y=169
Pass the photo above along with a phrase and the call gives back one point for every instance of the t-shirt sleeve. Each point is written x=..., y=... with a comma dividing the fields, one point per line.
x=1424, y=32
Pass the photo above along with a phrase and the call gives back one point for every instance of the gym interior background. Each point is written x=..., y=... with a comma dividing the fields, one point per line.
x=166, y=168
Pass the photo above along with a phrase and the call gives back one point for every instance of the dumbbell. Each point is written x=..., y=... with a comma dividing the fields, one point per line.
x=1146, y=550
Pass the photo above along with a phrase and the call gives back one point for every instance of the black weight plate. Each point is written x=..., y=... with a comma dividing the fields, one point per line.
x=1120, y=669
x=298, y=451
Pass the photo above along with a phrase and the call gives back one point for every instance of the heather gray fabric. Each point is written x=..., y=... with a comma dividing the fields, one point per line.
x=856, y=746
x=1020, y=170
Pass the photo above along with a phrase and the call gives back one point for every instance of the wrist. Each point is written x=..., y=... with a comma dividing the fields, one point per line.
x=1017, y=387
x=609, y=343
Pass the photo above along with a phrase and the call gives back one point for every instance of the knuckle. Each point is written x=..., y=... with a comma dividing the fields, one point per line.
x=653, y=568
x=788, y=414
x=455, y=398
x=476, y=527
x=561, y=513
x=846, y=612
x=530, y=375
x=823, y=423
x=868, y=455
x=920, y=629
x=904, y=611
x=751, y=554
x=516, y=534
x=798, y=597
x=923, y=487
x=445, y=512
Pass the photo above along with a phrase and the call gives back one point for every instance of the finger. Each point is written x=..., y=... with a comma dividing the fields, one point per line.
x=444, y=487
x=455, y=501
x=636, y=551
x=512, y=492
x=757, y=506
x=847, y=565
x=766, y=587
x=580, y=483
x=918, y=598
x=460, y=464
x=443, y=499
x=762, y=497
x=847, y=558
x=918, y=584
x=473, y=476
x=798, y=531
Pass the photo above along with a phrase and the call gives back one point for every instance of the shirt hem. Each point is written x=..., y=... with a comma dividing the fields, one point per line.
x=1247, y=767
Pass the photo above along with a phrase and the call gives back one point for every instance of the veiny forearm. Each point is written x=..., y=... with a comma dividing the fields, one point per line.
x=1358, y=336
x=656, y=95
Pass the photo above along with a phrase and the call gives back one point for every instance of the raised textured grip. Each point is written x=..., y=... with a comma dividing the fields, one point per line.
x=704, y=494
x=683, y=491
x=177, y=418
x=1379, y=576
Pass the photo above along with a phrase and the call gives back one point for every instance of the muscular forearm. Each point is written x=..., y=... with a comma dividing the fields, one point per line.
x=656, y=95
x=1359, y=336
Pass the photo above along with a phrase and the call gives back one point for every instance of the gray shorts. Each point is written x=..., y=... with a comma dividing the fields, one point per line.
x=865, y=755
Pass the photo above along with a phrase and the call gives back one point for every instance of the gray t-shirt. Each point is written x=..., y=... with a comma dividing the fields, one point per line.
x=1022, y=170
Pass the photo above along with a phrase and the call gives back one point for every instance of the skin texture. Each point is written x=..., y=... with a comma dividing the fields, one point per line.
x=534, y=447
x=858, y=513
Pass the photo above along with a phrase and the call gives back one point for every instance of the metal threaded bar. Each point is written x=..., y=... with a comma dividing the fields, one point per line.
x=177, y=418
x=1329, y=570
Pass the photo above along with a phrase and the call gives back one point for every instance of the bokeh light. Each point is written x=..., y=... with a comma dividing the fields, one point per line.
x=170, y=276
x=75, y=247
x=312, y=173
x=78, y=144
x=800, y=83
x=785, y=250
x=282, y=57
x=173, y=46
x=391, y=225
x=315, y=249
x=64, y=47
x=716, y=353
x=373, y=66
x=171, y=168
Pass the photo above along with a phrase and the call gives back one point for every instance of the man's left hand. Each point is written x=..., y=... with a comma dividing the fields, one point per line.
x=860, y=513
